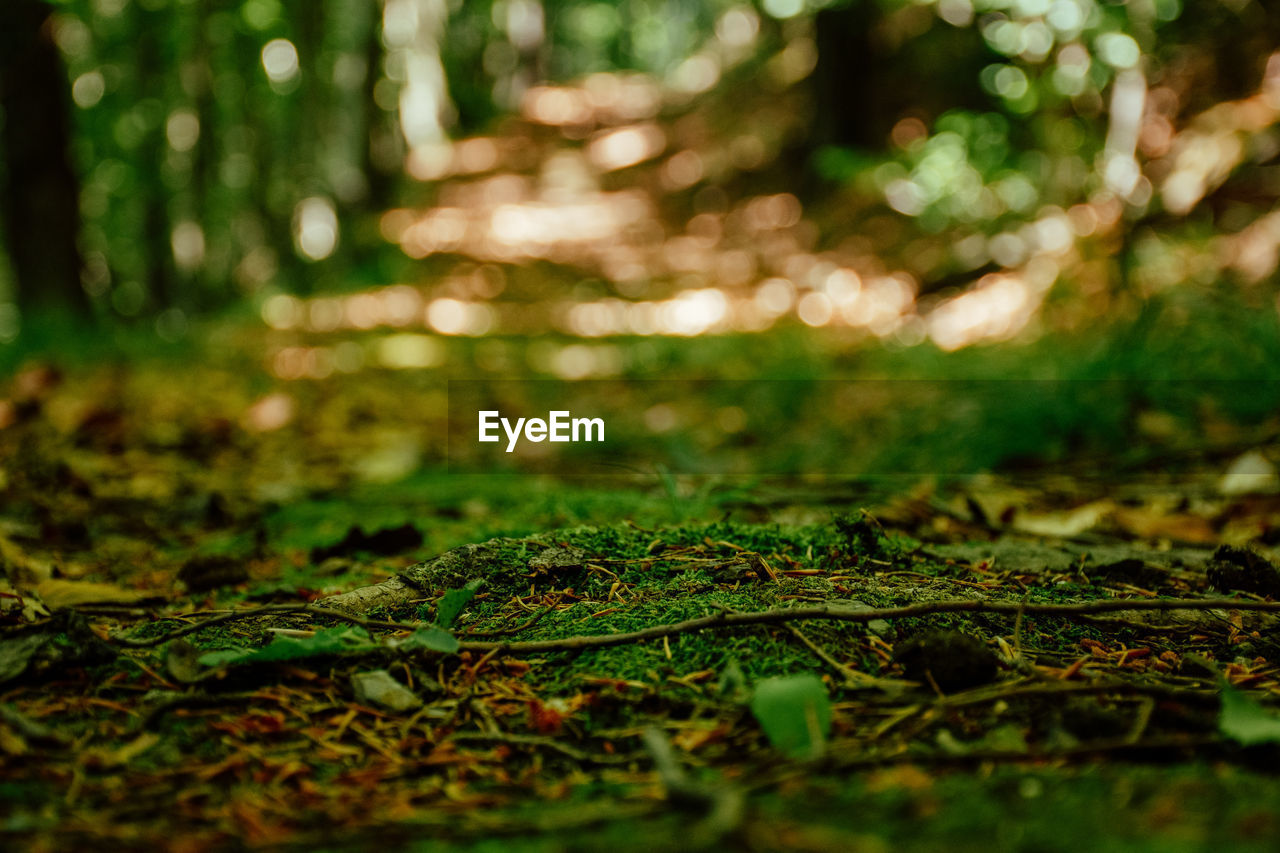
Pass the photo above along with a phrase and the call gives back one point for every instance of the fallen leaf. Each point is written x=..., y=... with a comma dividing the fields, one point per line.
x=431, y=638
x=20, y=566
x=182, y=661
x=1250, y=474
x=690, y=740
x=1179, y=527
x=1245, y=721
x=795, y=713
x=327, y=641
x=454, y=601
x=377, y=687
x=26, y=608
x=16, y=653
x=58, y=592
x=1065, y=524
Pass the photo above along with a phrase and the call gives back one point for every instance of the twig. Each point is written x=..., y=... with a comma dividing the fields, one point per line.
x=1023, y=690
x=1146, y=707
x=724, y=805
x=1116, y=623
x=1017, y=628
x=197, y=700
x=502, y=632
x=845, y=672
x=544, y=743
x=852, y=677
x=267, y=610
x=31, y=729
x=730, y=620
x=844, y=614
x=117, y=610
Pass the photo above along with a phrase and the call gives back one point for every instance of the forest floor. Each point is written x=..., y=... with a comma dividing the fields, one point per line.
x=984, y=663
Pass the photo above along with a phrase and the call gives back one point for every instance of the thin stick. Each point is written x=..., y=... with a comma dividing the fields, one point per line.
x=505, y=631
x=730, y=620
x=851, y=677
x=544, y=743
x=268, y=610
x=844, y=614
x=1028, y=690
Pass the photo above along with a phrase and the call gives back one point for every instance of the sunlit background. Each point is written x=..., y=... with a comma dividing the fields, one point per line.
x=375, y=179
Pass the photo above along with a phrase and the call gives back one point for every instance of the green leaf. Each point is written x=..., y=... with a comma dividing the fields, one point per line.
x=225, y=657
x=1245, y=721
x=454, y=601
x=16, y=653
x=326, y=641
x=795, y=713
x=732, y=680
x=433, y=638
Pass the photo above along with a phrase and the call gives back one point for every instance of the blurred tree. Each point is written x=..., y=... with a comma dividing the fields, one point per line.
x=41, y=195
x=877, y=66
x=228, y=147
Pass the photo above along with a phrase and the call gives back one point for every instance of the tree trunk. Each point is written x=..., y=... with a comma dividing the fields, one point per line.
x=41, y=195
x=160, y=275
x=877, y=66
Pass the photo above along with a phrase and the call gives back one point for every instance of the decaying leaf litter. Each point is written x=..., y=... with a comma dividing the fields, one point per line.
x=219, y=634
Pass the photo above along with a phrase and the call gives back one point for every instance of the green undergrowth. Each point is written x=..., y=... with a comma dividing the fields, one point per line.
x=634, y=578
x=628, y=577
x=1120, y=808
x=454, y=509
x=1102, y=808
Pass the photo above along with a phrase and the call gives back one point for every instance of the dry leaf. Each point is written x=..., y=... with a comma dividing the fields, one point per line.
x=32, y=608
x=57, y=593
x=1179, y=527
x=1250, y=474
x=1065, y=524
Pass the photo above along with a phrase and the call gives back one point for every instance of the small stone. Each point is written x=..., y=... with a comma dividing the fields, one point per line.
x=953, y=660
x=214, y=571
x=1242, y=570
x=182, y=662
x=377, y=687
x=879, y=627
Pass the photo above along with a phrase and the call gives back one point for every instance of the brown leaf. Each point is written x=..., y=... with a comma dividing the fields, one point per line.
x=1180, y=527
x=1067, y=523
x=57, y=593
x=15, y=605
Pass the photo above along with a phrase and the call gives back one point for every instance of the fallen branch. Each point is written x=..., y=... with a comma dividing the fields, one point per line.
x=388, y=595
x=505, y=631
x=733, y=619
x=450, y=570
x=845, y=614
x=258, y=612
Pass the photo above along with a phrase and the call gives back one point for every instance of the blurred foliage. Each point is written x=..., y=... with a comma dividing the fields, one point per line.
x=202, y=130
x=206, y=133
x=237, y=149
